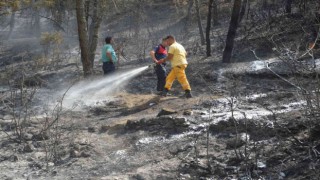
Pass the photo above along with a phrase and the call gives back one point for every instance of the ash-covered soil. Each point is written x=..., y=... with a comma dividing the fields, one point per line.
x=239, y=124
x=244, y=122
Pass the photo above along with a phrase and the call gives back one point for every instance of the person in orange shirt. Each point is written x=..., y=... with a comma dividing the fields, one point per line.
x=177, y=57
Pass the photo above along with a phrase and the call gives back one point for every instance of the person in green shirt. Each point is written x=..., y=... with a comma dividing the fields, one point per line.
x=108, y=56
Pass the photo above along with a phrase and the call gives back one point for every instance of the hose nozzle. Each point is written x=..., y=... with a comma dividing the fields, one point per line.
x=151, y=65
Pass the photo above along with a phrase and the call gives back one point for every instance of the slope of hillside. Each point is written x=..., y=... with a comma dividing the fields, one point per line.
x=247, y=120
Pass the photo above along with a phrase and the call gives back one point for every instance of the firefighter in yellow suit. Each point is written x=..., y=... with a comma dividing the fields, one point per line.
x=177, y=57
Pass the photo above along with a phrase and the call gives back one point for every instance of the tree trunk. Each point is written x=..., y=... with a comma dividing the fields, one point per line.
x=188, y=17
x=209, y=28
x=115, y=6
x=215, y=13
x=12, y=22
x=83, y=37
x=243, y=9
x=94, y=29
x=302, y=6
x=248, y=10
x=36, y=14
x=58, y=13
x=199, y=22
x=232, y=31
x=137, y=15
x=264, y=4
x=288, y=6
x=88, y=33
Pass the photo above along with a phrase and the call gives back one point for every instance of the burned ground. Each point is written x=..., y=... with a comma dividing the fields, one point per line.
x=243, y=122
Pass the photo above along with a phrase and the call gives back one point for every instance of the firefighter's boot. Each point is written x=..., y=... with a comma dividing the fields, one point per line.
x=188, y=94
x=164, y=92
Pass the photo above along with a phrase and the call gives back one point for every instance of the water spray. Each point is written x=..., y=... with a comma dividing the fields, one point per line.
x=89, y=92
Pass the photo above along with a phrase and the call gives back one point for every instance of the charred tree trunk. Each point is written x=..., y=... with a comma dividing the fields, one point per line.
x=243, y=9
x=264, y=4
x=189, y=15
x=88, y=37
x=93, y=30
x=86, y=11
x=227, y=53
x=58, y=13
x=215, y=13
x=302, y=6
x=36, y=14
x=202, y=39
x=209, y=28
x=137, y=18
x=83, y=37
x=12, y=22
x=288, y=6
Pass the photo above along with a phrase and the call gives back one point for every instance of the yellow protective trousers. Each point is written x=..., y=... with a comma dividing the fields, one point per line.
x=178, y=72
